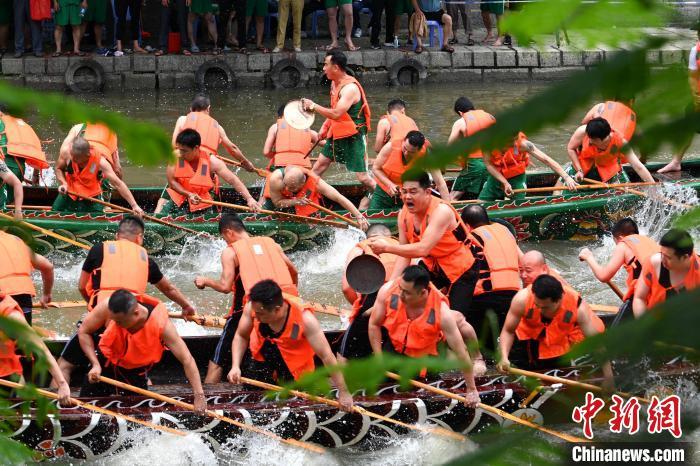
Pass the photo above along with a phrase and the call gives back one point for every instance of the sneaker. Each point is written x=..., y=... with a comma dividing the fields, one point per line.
x=194, y=49
x=276, y=50
x=297, y=49
x=227, y=48
x=118, y=53
x=389, y=44
x=101, y=51
x=375, y=46
x=357, y=33
x=149, y=49
x=508, y=41
x=18, y=54
x=304, y=35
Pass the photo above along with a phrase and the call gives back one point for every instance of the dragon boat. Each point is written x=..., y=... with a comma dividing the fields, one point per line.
x=574, y=215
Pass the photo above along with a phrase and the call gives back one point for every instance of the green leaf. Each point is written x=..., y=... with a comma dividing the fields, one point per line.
x=13, y=452
x=688, y=220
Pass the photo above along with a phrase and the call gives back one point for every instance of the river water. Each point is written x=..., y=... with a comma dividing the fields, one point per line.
x=246, y=117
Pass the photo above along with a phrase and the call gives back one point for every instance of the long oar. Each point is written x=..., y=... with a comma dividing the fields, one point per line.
x=573, y=383
x=150, y=218
x=97, y=409
x=261, y=172
x=283, y=215
x=604, y=308
x=47, y=232
x=636, y=192
x=213, y=414
x=205, y=320
x=616, y=289
x=335, y=214
x=357, y=409
x=493, y=410
x=545, y=189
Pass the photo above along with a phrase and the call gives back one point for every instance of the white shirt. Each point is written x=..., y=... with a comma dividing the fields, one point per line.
x=692, y=59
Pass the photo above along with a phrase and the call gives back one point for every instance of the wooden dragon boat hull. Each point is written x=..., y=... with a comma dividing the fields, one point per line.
x=583, y=215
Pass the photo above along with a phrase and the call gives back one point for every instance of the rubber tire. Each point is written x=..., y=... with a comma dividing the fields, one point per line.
x=280, y=66
x=73, y=68
x=201, y=73
x=421, y=73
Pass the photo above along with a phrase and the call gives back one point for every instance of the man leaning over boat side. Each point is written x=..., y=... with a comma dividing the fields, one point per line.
x=282, y=336
x=194, y=177
x=294, y=187
x=119, y=264
x=417, y=317
x=432, y=230
x=674, y=269
x=9, y=180
x=245, y=261
x=137, y=332
x=286, y=145
x=631, y=251
x=81, y=171
x=101, y=139
x=394, y=126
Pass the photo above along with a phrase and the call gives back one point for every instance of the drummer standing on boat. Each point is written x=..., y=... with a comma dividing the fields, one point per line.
x=283, y=336
x=244, y=262
x=286, y=145
x=347, y=121
x=79, y=174
x=137, y=333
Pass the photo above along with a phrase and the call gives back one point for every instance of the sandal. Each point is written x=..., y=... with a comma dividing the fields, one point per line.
x=81, y=54
x=354, y=48
x=56, y=54
x=327, y=48
x=447, y=48
x=216, y=51
x=470, y=42
x=419, y=49
x=160, y=53
x=262, y=49
x=186, y=52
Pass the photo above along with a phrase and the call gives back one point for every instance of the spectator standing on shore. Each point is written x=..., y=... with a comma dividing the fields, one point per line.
x=68, y=13
x=134, y=8
x=332, y=7
x=205, y=10
x=21, y=18
x=497, y=7
x=456, y=9
x=257, y=9
x=222, y=25
x=297, y=7
x=378, y=6
x=432, y=11
x=166, y=7
x=5, y=17
x=96, y=14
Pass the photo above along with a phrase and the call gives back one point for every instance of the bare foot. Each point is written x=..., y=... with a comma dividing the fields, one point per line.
x=673, y=166
x=498, y=43
x=488, y=39
x=139, y=50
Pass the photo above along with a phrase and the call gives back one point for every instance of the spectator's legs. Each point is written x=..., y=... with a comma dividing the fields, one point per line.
x=282, y=16
x=390, y=6
x=239, y=6
x=259, y=31
x=4, y=34
x=58, y=37
x=37, y=42
x=462, y=9
x=347, y=16
x=97, y=29
x=486, y=17
x=20, y=13
x=181, y=6
x=77, y=35
x=376, y=23
x=164, y=27
x=332, y=14
x=211, y=26
x=121, y=6
x=297, y=14
x=135, y=9
x=190, y=26
x=447, y=27
x=357, y=24
x=499, y=39
x=224, y=16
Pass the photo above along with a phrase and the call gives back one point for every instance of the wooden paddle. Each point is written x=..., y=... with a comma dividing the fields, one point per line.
x=260, y=172
x=205, y=320
x=546, y=189
x=639, y=193
x=145, y=216
x=357, y=409
x=604, y=308
x=212, y=414
x=283, y=215
x=493, y=410
x=573, y=383
x=97, y=409
x=616, y=289
x=46, y=232
x=334, y=214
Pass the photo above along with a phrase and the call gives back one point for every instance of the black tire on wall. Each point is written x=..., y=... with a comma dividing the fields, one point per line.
x=85, y=75
x=407, y=72
x=289, y=73
x=214, y=74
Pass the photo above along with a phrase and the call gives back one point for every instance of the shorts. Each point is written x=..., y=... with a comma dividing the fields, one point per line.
x=96, y=12
x=351, y=151
x=201, y=7
x=355, y=341
x=256, y=8
x=25, y=302
x=471, y=179
x=593, y=174
x=68, y=15
x=496, y=7
x=173, y=210
x=18, y=167
x=222, y=353
x=137, y=377
x=74, y=354
x=336, y=3
x=493, y=189
x=64, y=203
x=434, y=16
x=499, y=303
x=380, y=200
x=403, y=7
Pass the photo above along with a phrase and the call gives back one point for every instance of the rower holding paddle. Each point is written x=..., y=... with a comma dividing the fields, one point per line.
x=244, y=262
x=81, y=171
x=283, y=336
x=137, y=332
x=19, y=146
x=101, y=139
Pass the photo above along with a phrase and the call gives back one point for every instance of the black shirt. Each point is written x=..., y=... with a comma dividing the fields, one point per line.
x=94, y=259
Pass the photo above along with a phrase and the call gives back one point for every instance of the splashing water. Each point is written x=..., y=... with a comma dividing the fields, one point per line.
x=149, y=447
x=663, y=204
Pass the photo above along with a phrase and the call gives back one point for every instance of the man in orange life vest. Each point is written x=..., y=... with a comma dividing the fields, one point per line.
x=416, y=317
x=347, y=121
x=395, y=158
x=394, y=126
x=7, y=178
x=506, y=169
x=620, y=117
x=10, y=364
x=673, y=270
x=286, y=146
x=631, y=251
x=16, y=266
x=548, y=319
x=101, y=139
x=194, y=176
x=596, y=152
x=282, y=335
x=473, y=175
x=80, y=172
x=432, y=230
x=533, y=264
x=294, y=187
x=244, y=262
x=211, y=132
x=137, y=332
x=112, y=265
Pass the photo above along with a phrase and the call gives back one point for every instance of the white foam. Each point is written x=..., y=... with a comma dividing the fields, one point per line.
x=151, y=448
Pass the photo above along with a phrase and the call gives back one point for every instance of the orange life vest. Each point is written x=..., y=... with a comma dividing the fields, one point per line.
x=619, y=116
x=449, y=254
x=345, y=126
x=102, y=139
x=608, y=162
x=309, y=190
x=143, y=348
x=414, y=337
x=291, y=146
x=512, y=161
x=208, y=129
x=558, y=336
x=501, y=270
x=124, y=265
x=85, y=182
x=396, y=164
x=660, y=287
x=400, y=125
x=199, y=181
x=292, y=344
x=642, y=248
x=22, y=142
x=476, y=120
x=15, y=266
x=9, y=360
